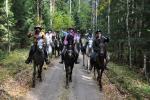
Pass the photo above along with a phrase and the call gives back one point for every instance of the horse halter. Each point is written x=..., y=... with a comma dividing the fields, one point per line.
x=69, y=50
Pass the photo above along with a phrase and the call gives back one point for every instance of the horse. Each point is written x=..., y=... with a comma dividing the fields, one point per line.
x=38, y=62
x=99, y=63
x=89, y=51
x=57, y=45
x=69, y=60
x=49, y=46
x=83, y=48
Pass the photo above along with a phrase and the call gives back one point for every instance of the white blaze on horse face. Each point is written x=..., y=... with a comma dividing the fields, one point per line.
x=69, y=53
x=90, y=43
x=40, y=43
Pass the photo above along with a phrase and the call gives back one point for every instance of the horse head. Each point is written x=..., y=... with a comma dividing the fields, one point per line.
x=39, y=46
x=69, y=51
x=102, y=50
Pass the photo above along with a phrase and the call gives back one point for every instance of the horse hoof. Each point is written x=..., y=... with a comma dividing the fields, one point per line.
x=70, y=80
x=100, y=89
x=33, y=85
x=45, y=68
x=66, y=86
x=38, y=76
x=40, y=80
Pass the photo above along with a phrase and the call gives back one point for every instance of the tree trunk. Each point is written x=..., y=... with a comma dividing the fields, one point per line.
x=51, y=10
x=79, y=6
x=38, y=12
x=70, y=3
x=109, y=17
x=129, y=41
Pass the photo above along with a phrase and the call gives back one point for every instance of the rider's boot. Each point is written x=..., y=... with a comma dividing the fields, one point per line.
x=61, y=62
x=62, y=55
x=29, y=59
x=76, y=58
x=46, y=57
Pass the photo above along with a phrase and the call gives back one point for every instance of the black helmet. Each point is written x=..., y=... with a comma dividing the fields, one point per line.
x=38, y=26
x=98, y=31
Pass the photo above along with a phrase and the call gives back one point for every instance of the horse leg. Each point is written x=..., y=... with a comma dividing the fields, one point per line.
x=71, y=73
x=67, y=76
x=94, y=72
x=98, y=74
x=83, y=60
x=40, y=73
x=34, y=74
x=58, y=50
x=55, y=52
x=88, y=67
x=100, y=79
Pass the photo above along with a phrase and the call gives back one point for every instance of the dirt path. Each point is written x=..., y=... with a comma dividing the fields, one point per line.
x=83, y=86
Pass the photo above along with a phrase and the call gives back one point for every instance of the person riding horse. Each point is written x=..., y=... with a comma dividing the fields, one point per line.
x=100, y=39
x=69, y=40
x=38, y=36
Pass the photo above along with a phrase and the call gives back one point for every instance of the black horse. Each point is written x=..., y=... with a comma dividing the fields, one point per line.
x=38, y=62
x=99, y=63
x=57, y=47
x=69, y=59
x=83, y=48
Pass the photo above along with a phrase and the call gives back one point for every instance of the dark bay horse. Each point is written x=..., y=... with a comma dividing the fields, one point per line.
x=38, y=62
x=57, y=46
x=69, y=59
x=83, y=48
x=99, y=63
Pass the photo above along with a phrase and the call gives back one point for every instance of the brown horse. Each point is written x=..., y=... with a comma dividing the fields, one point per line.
x=99, y=63
x=69, y=59
x=38, y=62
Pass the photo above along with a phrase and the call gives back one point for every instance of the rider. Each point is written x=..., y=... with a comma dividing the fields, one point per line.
x=38, y=35
x=69, y=40
x=99, y=38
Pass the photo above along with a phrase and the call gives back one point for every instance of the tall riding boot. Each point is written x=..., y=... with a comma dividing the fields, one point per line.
x=76, y=58
x=62, y=54
x=76, y=55
x=29, y=59
x=62, y=59
x=46, y=57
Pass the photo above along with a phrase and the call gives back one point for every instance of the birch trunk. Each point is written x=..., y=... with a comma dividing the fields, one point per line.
x=109, y=17
x=129, y=41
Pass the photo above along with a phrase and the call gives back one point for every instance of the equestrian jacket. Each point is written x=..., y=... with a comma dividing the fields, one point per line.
x=99, y=42
x=39, y=37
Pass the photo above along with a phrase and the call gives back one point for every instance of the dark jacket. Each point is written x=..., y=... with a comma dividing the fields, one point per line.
x=70, y=39
x=97, y=42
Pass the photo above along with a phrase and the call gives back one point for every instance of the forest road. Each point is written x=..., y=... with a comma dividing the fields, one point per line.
x=83, y=87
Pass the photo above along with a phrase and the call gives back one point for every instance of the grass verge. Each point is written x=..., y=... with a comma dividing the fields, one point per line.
x=13, y=64
x=129, y=81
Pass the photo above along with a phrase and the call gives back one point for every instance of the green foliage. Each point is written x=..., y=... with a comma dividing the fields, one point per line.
x=6, y=22
x=138, y=29
x=13, y=64
x=129, y=80
x=62, y=21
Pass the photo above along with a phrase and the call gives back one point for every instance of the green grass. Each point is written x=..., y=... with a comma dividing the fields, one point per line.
x=129, y=80
x=13, y=63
